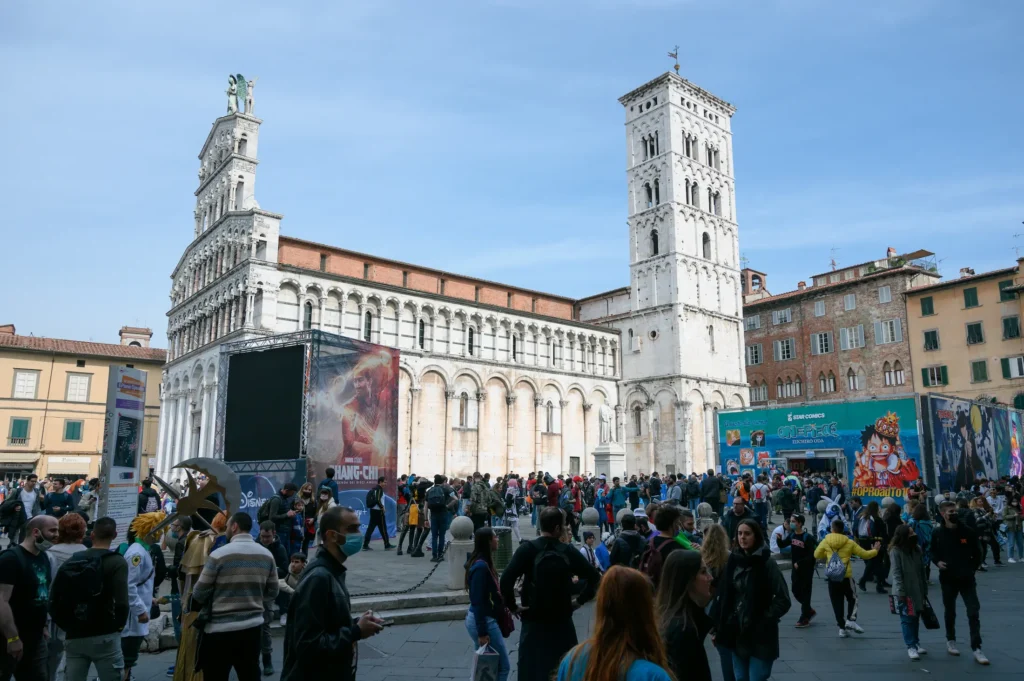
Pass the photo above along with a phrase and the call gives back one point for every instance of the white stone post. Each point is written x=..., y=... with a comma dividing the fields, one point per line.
x=709, y=436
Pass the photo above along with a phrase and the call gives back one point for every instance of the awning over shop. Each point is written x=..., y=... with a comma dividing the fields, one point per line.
x=18, y=461
x=68, y=465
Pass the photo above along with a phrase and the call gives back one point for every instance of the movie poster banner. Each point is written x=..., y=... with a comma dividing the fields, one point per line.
x=972, y=440
x=259, y=487
x=122, y=446
x=353, y=421
x=877, y=439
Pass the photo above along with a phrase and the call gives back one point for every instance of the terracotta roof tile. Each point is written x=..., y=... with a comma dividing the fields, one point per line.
x=814, y=290
x=73, y=347
x=963, y=280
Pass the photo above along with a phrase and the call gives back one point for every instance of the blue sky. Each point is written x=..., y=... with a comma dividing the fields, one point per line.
x=484, y=137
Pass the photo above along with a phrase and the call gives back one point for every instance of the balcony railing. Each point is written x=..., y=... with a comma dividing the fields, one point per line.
x=17, y=441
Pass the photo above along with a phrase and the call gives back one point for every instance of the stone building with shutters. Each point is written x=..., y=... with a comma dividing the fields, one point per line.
x=494, y=378
x=53, y=414
x=842, y=337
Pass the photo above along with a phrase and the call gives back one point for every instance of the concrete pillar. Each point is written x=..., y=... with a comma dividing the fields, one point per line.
x=461, y=545
x=166, y=433
x=182, y=422
x=684, y=458
x=414, y=400
x=449, y=395
x=562, y=404
x=203, y=420
x=161, y=431
x=588, y=457
x=210, y=429
x=650, y=439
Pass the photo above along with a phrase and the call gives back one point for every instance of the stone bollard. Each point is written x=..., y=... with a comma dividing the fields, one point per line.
x=622, y=512
x=458, y=551
x=590, y=523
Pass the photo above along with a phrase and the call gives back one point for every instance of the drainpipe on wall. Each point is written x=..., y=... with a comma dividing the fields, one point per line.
x=46, y=406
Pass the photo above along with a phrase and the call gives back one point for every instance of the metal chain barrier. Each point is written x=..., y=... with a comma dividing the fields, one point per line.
x=412, y=588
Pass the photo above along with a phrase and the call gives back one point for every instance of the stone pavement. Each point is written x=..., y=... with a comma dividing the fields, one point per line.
x=442, y=649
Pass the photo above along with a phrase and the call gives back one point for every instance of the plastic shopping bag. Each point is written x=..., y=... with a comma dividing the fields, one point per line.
x=485, y=664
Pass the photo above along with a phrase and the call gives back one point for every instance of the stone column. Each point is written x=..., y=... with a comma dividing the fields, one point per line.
x=620, y=430
x=203, y=419
x=414, y=399
x=709, y=436
x=588, y=462
x=182, y=427
x=161, y=438
x=536, y=349
x=360, y=327
x=320, y=320
x=210, y=430
x=481, y=397
x=572, y=355
x=562, y=404
x=449, y=395
x=433, y=332
x=341, y=321
x=510, y=402
x=684, y=458
x=650, y=441
x=538, y=405
x=172, y=428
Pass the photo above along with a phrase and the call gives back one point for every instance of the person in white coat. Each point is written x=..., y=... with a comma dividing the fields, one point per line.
x=141, y=575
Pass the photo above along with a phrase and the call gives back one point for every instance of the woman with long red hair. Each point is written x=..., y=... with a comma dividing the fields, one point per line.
x=625, y=645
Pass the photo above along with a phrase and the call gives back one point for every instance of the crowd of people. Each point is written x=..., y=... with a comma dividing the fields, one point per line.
x=671, y=562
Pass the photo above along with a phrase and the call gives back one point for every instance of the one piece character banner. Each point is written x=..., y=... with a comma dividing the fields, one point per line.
x=972, y=440
x=353, y=422
x=877, y=440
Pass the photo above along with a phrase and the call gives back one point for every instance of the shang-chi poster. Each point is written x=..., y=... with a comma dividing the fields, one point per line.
x=877, y=439
x=353, y=422
x=972, y=440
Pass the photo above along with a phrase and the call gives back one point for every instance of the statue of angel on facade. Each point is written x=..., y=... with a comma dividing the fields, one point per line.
x=232, y=93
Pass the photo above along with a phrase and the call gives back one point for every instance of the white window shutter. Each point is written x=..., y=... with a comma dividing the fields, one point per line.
x=775, y=350
x=878, y=333
x=814, y=344
x=860, y=335
x=844, y=338
x=898, y=337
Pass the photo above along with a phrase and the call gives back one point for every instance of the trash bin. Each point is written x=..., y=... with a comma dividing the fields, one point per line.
x=505, y=549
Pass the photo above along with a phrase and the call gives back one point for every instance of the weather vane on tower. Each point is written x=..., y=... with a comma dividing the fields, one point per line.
x=674, y=54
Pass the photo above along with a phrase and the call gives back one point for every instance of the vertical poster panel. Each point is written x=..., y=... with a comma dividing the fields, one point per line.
x=971, y=440
x=877, y=441
x=1016, y=467
x=259, y=487
x=353, y=422
x=122, y=446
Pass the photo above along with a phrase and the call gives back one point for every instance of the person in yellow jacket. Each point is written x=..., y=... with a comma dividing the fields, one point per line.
x=844, y=589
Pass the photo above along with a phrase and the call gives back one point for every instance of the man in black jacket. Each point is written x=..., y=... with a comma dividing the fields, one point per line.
x=629, y=546
x=321, y=634
x=731, y=518
x=710, y=489
x=282, y=515
x=957, y=553
x=548, y=632
x=375, y=504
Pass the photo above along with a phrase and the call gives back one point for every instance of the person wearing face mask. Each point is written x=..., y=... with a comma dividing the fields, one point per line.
x=956, y=551
x=801, y=544
x=321, y=633
x=684, y=592
x=25, y=577
x=237, y=585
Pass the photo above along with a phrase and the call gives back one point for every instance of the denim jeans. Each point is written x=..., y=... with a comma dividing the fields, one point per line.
x=751, y=668
x=438, y=527
x=497, y=642
x=533, y=515
x=725, y=657
x=103, y=651
x=693, y=504
x=910, y=625
x=176, y=615
x=1015, y=544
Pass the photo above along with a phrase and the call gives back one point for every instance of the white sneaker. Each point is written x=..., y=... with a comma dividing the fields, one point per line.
x=952, y=649
x=921, y=651
x=1012, y=560
x=912, y=652
x=854, y=627
x=842, y=633
x=979, y=657
x=284, y=619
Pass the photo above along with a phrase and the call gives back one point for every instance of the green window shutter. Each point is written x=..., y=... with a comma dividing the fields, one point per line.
x=1018, y=401
x=970, y=297
x=927, y=307
x=1004, y=295
x=1005, y=361
x=19, y=428
x=944, y=375
x=1011, y=327
x=924, y=377
x=73, y=430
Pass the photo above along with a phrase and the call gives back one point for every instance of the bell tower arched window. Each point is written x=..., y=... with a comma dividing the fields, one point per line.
x=706, y=244
x=657, y=193
x=307, y=316
x=422, y=332
x=637, y=420
x=654, y=242
x=649, y=195
x=367, y=326
x=464, y=410
x=550, y=413
x=471, y=340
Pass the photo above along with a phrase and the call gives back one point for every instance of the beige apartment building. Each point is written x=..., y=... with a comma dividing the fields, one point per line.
x=53, y=395
x=965, y=336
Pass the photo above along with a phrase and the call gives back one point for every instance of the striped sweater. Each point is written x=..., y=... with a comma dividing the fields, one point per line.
x=239, y=580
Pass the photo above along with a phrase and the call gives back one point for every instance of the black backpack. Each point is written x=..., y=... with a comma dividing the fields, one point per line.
x=371, y=498
x=552, y=579
x=436, y=498
x=76, y=593
x=627, y=548
x=263, y=514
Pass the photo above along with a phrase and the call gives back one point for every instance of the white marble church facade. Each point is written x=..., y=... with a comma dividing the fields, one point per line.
x=493, y=377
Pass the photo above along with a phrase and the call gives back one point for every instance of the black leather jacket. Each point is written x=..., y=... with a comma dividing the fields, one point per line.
x=321, y=633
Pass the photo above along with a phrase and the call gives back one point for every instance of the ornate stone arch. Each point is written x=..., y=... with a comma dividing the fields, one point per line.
x=466, y=371
x=501, y=378
x=528, y=381
x=435, y=369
